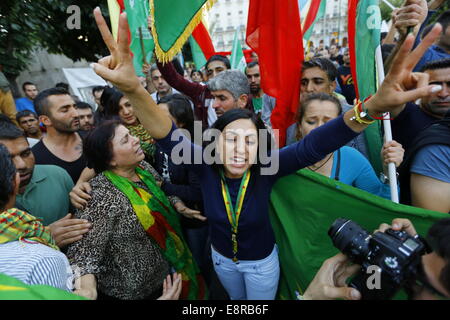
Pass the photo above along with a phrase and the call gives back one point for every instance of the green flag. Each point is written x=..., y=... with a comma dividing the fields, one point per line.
x=364, y=29
x=173, y=22
x=237, y=59
x=302, y=216
x=142, y=44
x=13, y=289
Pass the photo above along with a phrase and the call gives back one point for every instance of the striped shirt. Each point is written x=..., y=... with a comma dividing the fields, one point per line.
x=35, y=263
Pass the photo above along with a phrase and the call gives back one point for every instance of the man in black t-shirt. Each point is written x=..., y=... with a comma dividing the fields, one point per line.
x=62, y=146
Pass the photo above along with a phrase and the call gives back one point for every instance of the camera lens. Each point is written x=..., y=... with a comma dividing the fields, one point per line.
x=350, y=239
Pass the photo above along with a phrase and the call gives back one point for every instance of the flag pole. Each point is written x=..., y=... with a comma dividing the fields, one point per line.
x=389, y=5
x=387, y=129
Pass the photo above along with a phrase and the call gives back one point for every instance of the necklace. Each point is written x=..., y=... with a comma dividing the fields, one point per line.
x=321, y=164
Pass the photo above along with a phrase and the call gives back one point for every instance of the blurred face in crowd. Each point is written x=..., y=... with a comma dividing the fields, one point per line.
x=315, y=80
x=63, y=115
x=224, y=101
x=126, y=112
x=333, y=50
x=126, y=149
x=30, y=125
x=196, y=77
x=346, y=58
x=214, y=68
x=324, y=53
x=438, y=104
x=238, y=147
x=316, y=114
x=97, y=96
x=254, y=79
x=31, y=91
x=86, y=119
x=23, y=159
x=161, y=86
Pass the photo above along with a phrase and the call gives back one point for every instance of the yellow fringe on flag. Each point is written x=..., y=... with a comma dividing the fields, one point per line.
x=114, y=13
x=164, y=56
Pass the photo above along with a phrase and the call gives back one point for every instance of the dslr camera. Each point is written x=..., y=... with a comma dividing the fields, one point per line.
x=394, y=255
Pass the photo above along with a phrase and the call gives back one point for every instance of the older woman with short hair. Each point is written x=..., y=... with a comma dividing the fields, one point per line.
x=135, y=238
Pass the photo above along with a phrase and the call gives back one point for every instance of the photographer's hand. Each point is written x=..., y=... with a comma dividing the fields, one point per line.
x=399, y=225
x=329, y=282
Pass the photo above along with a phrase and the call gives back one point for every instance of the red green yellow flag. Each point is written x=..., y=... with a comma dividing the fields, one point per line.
x=173, y=21
x=315, y=10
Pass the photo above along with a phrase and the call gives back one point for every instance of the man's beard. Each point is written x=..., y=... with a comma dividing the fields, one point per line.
x=255, y=89
x=62, y=127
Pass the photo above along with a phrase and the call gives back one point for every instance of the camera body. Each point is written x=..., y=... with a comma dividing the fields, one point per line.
x=392, y=256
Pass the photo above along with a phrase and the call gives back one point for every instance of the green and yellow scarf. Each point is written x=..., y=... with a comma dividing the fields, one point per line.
x=162, y=224
x=146, y=140
x=17, y=225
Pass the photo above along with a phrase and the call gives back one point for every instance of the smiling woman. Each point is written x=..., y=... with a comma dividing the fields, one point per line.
x=237, y=203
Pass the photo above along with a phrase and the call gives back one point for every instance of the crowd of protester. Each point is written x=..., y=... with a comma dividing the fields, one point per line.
x=96, y=187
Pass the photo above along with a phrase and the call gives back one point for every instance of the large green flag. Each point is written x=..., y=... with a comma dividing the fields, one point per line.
x=13, y=289
x=173, y=22
x=237, y=59
x=142, y=44
x=304, y=205
x=364, y=29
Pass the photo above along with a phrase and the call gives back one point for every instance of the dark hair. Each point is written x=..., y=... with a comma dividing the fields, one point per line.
x=8, y=130
x=62, y=85
x=233, y=115
x=98, y=89
x=7, y=176
x=439, y=239
x=323, y=64
x=41, y=104
x=313, y=97
x=436, y=64
x=97, y=146
x=180, y=108
x=25, y=113
x=198, y=71
x=444, y=20
x=111, y=106
x=218, y=57
x=83, y=105
x=251, y=65
x=106, y=94
x=27, y=84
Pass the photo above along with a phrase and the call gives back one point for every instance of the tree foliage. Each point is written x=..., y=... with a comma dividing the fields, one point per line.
x=28, y=24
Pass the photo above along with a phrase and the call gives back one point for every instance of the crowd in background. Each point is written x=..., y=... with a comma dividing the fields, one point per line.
x=96, y=187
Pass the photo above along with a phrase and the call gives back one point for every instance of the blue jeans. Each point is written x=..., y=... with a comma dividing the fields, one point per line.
x=248, y=279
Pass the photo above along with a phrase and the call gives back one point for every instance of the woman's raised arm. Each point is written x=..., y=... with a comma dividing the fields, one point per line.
x=118, y=69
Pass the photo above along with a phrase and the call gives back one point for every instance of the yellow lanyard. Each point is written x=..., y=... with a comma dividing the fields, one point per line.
x=234, y=213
